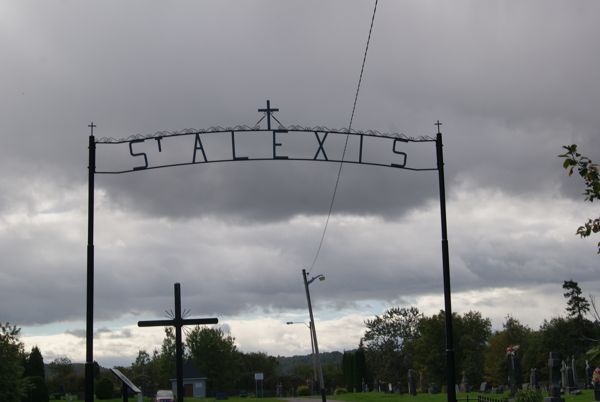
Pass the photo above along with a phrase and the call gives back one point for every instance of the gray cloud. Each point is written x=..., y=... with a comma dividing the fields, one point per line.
x=511, y=84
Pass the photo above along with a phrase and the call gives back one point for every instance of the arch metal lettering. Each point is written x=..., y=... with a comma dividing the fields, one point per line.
x=142, y=147
x=316, y=149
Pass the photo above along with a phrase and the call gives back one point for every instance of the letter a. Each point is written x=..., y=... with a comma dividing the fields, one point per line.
x=198, y=146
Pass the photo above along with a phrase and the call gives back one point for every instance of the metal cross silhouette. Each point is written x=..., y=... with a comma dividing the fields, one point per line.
x=91, y=126
x=178, y=321
x=268, y=111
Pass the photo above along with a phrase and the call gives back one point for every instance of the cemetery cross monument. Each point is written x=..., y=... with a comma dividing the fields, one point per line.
x=178, y=322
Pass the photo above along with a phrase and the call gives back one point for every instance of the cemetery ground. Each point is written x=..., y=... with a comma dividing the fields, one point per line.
x=585, y=396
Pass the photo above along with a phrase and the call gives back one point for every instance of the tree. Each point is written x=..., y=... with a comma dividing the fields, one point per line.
x=429, y=348
x=257, y=362
x=215, y=355
x=362, y=375
x=354, y=369
x=34, y=364
x=165, y=359
x=35, y=375
x=386, y=343
x=513, y=333
x=577, y=305
x=61, y=377
x=11, y=364
x=36, y=390
x=332, y=374
x=472, y=333
x=145, y=372
x=104, y=388
x=61, y=367
x=563, y=336
x=589, y=173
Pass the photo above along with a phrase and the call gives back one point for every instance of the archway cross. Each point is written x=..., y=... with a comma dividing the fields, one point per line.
x=178, y=322
x=269, y=111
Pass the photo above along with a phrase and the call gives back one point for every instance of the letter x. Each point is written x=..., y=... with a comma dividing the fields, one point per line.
x=321, y=142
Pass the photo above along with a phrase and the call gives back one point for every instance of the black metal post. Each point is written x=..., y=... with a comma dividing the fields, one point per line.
x=89, y=329
x=178, y=343
x=314, y=337
x=312, y=348
x=451, y=376
x=268, y=114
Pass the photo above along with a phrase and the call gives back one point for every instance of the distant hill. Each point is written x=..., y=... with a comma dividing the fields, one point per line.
x=286, y=364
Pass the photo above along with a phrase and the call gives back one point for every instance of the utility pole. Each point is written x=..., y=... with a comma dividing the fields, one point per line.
x=313, y=330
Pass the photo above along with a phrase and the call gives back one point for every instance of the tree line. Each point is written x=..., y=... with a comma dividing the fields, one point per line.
x=25, y=378
x=404, y=338
x=227, y=370
x=400, y=339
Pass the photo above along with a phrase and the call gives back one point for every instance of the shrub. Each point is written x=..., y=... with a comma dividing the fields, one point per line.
x=340, y=390
x=302, y=390
x=529, y=395
x=104, y=388
x=36, y=390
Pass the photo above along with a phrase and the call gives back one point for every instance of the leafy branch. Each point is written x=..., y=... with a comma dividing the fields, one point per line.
x=588, y=171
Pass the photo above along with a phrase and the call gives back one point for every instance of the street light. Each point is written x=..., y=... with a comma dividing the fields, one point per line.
x=312, y=349
x=314, y=332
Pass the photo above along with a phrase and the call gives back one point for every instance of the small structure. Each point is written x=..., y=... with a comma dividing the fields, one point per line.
x=194, y=383
x=126, y=385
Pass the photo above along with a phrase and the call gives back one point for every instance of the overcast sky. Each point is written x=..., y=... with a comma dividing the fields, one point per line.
x=511, y=82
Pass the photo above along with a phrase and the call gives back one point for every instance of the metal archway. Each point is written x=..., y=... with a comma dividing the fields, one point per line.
x=146, y=153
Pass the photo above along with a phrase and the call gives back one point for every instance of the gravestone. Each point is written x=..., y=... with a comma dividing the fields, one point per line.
x=574, y=368
x=554, y=378
x=564, y=376
x=534, y=379
x=588, y=375
x=514, y=369
x=573, y=387
x=484, y=388
x=412, y=382
x=464, y=383
x=434, y=389
x=570, y=379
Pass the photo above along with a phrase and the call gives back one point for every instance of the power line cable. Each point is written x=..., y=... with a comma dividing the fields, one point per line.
x=339, y=173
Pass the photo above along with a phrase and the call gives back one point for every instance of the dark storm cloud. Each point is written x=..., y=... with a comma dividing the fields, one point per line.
x=508, y=87
x=510, y=82
x=501, y=93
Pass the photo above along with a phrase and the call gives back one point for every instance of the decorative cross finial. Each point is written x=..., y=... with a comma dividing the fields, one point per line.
x=438, y=124
x=91, y=126
x=268, y=111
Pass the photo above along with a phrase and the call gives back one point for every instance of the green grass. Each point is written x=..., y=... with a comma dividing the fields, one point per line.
x=381, y=397
x=586, y=396
x=187, y=399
